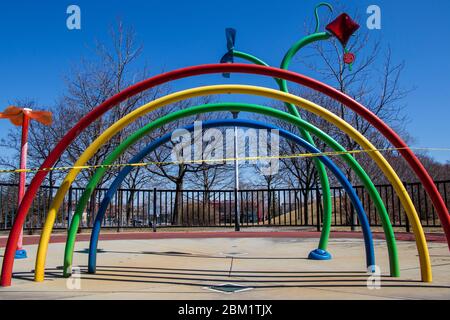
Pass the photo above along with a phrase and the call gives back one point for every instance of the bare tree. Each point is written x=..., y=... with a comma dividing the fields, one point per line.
x=204, y=173
x=374, y=82
x=112, y=68
x=41, y=141
x=213, y=174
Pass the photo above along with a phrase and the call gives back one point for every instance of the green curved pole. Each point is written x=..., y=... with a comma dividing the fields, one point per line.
x=323, y=176
x=320, y=167
x=321, y=170
x=220, y=107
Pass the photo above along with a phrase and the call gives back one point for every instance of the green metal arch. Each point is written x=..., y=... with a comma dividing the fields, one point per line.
x=220, y=107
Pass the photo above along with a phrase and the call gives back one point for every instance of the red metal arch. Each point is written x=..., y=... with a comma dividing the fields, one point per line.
x=388, y=132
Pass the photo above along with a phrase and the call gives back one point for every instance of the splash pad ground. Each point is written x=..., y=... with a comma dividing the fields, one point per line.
x=255, y=267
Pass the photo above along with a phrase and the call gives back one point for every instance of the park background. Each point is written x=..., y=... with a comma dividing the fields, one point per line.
x=401, y=71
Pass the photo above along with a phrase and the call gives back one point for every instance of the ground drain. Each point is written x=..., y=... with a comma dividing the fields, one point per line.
x=228, y=288
x=233, y=254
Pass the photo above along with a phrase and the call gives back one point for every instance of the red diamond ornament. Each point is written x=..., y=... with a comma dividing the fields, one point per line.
x=343, y=27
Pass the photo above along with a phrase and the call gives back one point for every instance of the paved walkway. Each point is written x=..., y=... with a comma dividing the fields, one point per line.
x=265, y=268
x=255, y=233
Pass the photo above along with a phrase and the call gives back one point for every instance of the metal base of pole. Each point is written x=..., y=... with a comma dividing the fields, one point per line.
x=21, y=254
x=320, y=255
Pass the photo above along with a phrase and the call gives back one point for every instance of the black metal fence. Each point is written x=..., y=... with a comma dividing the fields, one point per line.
x=218, y=208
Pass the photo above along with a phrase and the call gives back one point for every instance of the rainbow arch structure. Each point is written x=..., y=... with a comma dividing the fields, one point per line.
x=383, y=128
x=393, y=258
x=370, y=255
x=236, y=89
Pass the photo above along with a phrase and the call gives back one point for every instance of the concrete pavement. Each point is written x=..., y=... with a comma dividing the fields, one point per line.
x=267, y=268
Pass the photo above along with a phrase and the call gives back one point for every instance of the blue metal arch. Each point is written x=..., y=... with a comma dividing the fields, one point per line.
x=368, y=240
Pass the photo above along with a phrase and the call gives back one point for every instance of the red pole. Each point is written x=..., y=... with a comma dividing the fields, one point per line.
x=20, y=252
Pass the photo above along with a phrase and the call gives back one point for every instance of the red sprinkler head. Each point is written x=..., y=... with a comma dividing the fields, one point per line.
x=349, y=58
x=343, y=27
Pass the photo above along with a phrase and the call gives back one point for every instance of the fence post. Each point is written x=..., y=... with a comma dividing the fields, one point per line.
x=69, y=208
x=353, y=219
x=237, y=226
x=306, y=206
x=155, y=220
x=119, y=210
x=408, y=229
x=269, y=206
x=318, y=208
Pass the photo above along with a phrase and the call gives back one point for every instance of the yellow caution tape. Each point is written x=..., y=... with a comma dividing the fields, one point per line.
x=160, y=163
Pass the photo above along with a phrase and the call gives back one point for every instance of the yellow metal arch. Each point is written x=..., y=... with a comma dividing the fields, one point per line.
x=399, y=188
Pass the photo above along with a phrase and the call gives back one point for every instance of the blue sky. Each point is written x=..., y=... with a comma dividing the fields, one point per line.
x=37, y=49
